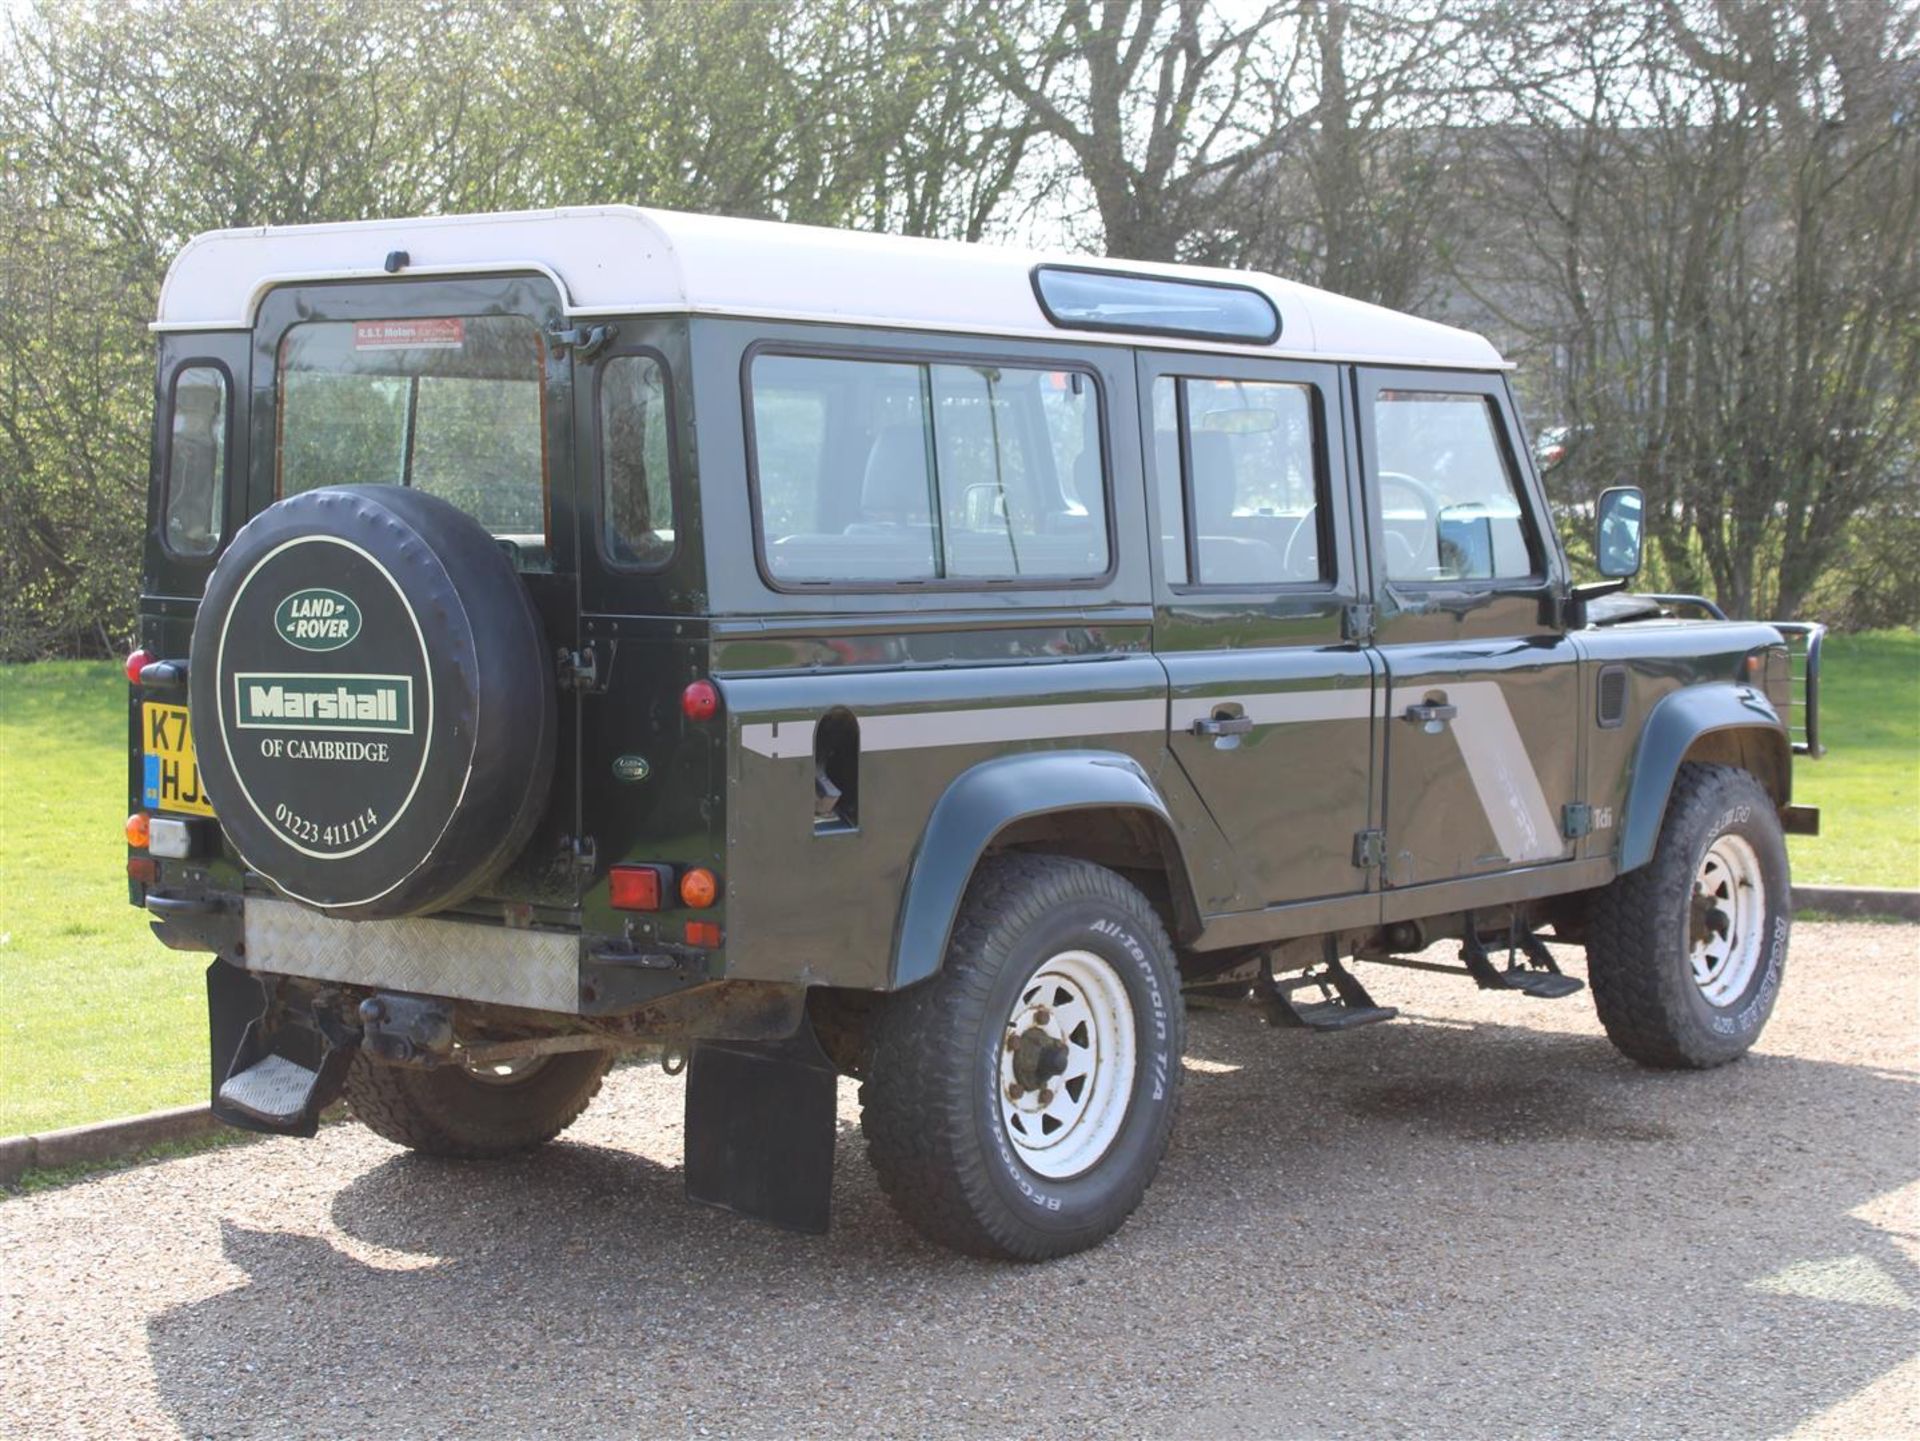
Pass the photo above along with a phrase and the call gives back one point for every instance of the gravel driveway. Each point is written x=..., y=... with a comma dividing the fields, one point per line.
x=1476, y=1220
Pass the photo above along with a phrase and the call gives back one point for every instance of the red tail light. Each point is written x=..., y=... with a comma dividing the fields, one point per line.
x=637, y=888
x=704, y=934
x=700, y=701
x=136, y=663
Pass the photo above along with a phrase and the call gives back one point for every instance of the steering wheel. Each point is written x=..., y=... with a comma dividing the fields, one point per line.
x=1429, y=505
x=1303, y=562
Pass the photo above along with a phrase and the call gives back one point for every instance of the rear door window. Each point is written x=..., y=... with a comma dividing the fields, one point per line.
x=1241, y=487
x=915, y=472
x=452, y=405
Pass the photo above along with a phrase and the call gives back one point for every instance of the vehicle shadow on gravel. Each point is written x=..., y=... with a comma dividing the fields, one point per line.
x=1455, y=1224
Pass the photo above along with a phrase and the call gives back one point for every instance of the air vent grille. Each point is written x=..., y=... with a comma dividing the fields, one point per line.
x=1613, y=696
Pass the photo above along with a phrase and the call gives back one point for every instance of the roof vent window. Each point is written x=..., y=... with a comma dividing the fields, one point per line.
x=1077, y=299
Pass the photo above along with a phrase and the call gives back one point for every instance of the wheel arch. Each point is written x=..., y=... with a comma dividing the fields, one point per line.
x=1716, y=724
x=1097, y=805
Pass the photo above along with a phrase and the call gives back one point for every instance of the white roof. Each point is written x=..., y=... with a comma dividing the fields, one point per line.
x=621, y=259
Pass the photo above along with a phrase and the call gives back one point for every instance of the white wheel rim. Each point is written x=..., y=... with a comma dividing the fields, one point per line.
x=1067, y=1062
x=1727, y=920
x=504, y=1073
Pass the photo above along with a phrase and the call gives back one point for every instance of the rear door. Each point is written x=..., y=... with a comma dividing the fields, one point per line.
x=1271, y=700
x=1482, y=709
x=456, y=386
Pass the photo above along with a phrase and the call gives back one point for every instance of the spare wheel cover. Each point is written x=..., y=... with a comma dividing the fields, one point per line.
x=372, y=707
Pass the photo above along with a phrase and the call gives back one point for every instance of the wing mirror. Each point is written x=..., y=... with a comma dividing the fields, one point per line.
x=1617, y=529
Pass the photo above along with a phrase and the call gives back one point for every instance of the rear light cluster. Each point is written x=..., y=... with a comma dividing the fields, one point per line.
x=649, y=887
x=136, y=663
x=646, y=887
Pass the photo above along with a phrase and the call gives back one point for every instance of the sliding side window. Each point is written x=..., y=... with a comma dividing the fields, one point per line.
x=908, y=473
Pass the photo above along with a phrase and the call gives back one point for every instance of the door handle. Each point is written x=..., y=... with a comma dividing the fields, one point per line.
x=1223, y=725
x=1432, y=716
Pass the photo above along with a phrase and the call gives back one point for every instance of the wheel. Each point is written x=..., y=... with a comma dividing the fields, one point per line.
x=1018, y=1104
x=373, y=701
x=1686, y=954
x=473, y=1112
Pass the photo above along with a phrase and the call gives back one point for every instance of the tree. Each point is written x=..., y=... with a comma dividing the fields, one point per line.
x=1713, y=231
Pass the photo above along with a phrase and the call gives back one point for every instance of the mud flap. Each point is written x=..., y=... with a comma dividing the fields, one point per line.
x=760, y=1129
x=270, y=1074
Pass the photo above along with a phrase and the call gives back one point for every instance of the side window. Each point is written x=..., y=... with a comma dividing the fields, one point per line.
x=1449, y=502
x=196, y=460
x=909, y=472
x=636, y=482
x=1248, y=451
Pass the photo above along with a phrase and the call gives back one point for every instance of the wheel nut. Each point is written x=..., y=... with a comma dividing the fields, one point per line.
x=1046, y=1098
x=1042, y=1016
x=1014, y=1092
x=1012, y=1041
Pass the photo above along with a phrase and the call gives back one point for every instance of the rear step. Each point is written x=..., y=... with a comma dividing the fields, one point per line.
x=1344, y=1002
x=274, y=1091
x=272, y=1071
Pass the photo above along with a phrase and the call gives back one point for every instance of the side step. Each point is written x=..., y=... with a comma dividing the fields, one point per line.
x=1343, y=1004
x=1539, y=976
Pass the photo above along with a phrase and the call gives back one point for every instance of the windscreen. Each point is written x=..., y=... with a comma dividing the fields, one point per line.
x=452, y=405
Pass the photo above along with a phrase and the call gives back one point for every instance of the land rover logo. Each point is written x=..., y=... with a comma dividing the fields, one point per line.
x=630, y=768
x=317, y=619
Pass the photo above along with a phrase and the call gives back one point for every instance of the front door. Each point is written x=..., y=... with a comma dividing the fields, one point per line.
x=1482, y=698
x=1257, y=569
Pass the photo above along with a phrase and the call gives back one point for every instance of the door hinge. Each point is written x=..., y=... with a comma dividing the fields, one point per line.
x=582, y=854
x=1370, y=850
x=583, y=340
x=579, y=670
x=1356, y=623
x=1576, y=820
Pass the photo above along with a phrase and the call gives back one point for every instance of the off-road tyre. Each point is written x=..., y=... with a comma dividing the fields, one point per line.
x=1641, y=930
x=447, y=1111
x=931, y=1091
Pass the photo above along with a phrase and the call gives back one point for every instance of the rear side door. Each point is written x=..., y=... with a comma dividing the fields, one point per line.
x=1481, y=707
x=1271, y=698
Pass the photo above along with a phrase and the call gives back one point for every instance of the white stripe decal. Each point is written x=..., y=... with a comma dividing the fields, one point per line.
x=986, y=725
x=1497, y=763
x=1354, y=702
x=1495, y=756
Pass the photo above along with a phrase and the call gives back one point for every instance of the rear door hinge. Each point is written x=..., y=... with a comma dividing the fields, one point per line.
x=1356, y=623
x=1370, y=850
x=584, y=341
x=579, y=670
x=583, y=854
x=1576, y=820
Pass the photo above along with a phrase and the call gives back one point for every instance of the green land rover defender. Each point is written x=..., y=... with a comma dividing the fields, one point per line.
x=792, y=654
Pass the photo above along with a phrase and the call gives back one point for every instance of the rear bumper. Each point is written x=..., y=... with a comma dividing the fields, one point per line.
x=461, y=961
x=559, y=972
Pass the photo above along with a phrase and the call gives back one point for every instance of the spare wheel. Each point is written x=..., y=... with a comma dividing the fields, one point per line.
x=372, y=703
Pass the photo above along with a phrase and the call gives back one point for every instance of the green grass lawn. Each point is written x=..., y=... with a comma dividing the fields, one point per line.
x=101, y=1020
x=1868, y=786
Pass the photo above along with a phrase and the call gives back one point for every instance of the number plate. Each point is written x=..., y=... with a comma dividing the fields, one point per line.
x=171, y=776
